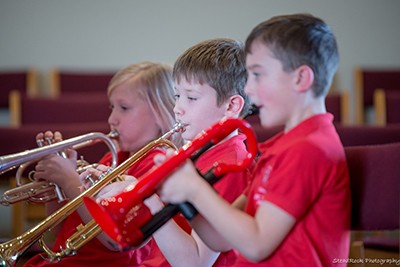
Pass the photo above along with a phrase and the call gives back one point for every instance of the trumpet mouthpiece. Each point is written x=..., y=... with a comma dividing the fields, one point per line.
x=253, y=110
x=179, y=127
x=113, y=134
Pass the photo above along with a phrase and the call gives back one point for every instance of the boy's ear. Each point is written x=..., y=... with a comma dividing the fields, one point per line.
x=235, y=106
x=304, y=78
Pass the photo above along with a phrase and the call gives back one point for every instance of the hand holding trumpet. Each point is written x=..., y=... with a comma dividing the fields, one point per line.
x=180, y=185
x=91, y=175
x=57, y=168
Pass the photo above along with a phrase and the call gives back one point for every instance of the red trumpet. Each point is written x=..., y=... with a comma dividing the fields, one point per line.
x=129, y=222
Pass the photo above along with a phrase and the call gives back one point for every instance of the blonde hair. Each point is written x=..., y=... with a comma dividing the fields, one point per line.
x=154, y=83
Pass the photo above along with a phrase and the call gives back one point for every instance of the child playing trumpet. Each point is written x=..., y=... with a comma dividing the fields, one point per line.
x=141, y=99
x=296, y=212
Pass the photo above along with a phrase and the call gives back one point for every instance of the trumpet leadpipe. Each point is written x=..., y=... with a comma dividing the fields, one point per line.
x=11, y=161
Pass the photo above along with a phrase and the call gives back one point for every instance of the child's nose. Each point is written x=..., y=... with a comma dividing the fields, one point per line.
x=178, y=109
x=112, y=119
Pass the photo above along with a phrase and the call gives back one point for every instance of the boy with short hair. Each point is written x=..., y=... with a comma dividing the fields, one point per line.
x=297, y=208
x=209, y=86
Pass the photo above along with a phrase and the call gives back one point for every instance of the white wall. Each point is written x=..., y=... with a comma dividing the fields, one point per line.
x=106, y=34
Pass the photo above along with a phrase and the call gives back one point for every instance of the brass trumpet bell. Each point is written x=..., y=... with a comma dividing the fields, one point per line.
x=43, y=191
x=11, y=250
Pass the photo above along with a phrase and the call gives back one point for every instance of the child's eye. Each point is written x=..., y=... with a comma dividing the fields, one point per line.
x=176, y=96
x=192, y=98
x=121, y=107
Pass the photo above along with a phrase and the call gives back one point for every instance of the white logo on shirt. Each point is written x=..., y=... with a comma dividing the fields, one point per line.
x=267, y=172
x=261, y=189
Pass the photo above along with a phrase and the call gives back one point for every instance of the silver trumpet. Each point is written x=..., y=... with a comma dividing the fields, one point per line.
x=12, y=250
x=44, y=191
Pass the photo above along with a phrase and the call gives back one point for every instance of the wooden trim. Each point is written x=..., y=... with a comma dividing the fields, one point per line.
x=54, y=77
x=359, y=95
x=357, y=251
x=15, y=108
x=32, y=83
x=380, y=107
x=24, y=213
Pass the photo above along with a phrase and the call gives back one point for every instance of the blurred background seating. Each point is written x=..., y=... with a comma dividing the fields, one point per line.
x=67, y=108
x=375, y=191
x=367, y=80
x=78, y=81
x=387, y=107
x=338, y=104
x=23, y=80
